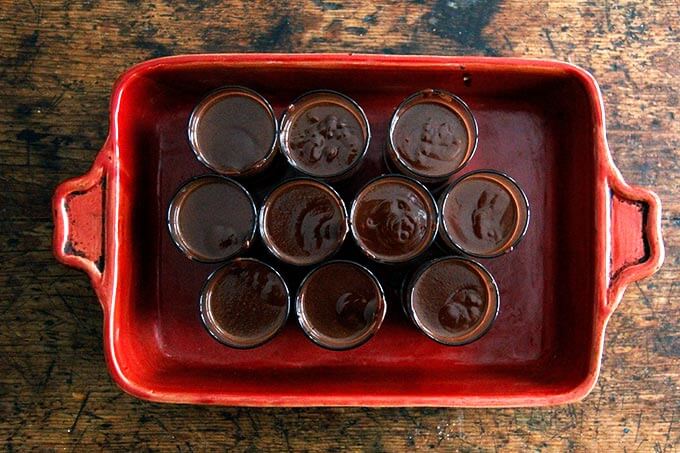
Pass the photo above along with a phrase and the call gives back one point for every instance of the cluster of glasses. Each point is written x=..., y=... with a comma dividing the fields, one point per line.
x=303, y=221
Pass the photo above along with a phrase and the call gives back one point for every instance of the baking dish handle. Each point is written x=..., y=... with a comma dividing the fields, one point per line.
x=78, y=210
x=636, y=242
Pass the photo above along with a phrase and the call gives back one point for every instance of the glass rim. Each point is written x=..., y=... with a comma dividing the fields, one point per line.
x=472, y=131
x=288, y=117
x=198, y=112
x=317, y=338
x=510, y=245
x=486, y=321
x=174, y=208
x=262, y=217
x=204, y=300
x=430, y=198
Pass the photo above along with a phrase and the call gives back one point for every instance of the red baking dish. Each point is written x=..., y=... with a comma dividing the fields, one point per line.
x=541, y=122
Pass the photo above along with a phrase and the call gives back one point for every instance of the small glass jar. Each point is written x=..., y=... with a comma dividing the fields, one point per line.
x=325, y=134
x=394, y=219
x=340, y=305
x=452, y=300
x=303, y=222
x=234, y=131
x=483, y=214
x=212, y=218
x=245, y=303
x=432, y=135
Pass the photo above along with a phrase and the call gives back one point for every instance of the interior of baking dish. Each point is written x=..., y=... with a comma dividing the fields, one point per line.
x=536, y=123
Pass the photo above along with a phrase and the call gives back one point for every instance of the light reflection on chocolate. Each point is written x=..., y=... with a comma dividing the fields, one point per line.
x=233, y=131
x=324, y=134
x=394, y=219
x=431, y=138
x=340, y=305
x=484, y=214
x=212, y=218
x=433, y=134
x=244, y=303
x=303, y=221
x=453, y=300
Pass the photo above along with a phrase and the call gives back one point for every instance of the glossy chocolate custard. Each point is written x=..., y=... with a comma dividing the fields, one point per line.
x=303, y=222
x=394, y=219
x=484, y=214
x=233, y=131
x=324, y=134
x=453, y=300
x=340, y=305
x=244, y=303
x=433, y=134
x=212, y=218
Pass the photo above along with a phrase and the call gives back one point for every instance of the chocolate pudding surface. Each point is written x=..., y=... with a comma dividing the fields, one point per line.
x=394, y=218
x=450, y=298
x=326, y=138
x=431, y=138
x=341, y=301
x=245, y=303
x=233, y=131
x=304, y=221
x=483, y=215
x=213, y=218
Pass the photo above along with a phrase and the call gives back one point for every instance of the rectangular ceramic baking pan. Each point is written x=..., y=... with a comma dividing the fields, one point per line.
x=541, y=122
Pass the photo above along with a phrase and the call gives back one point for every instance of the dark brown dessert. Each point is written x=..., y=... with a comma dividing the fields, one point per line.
x=303, y=222
x=233, y=131
x=484, y=214
x=244, y=303
x=212, y=218
x=452, y=300
x=394, y=219
x=324, y=134
x=340, y=305
x=432, y=135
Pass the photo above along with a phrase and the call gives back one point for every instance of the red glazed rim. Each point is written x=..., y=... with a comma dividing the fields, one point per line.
x=291, y=113
x=100, y=232
x=263, y=219
x=206, y=319
x=446, y=98
x=520, y=229
x=485, y=323
x=206, y=102
x=427, y=195
x=173, y=212
x=317, y=338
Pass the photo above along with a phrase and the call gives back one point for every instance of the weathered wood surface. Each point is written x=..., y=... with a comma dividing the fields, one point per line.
x=58, y=60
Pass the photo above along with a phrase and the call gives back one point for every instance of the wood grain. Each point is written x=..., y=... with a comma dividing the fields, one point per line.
x=58, y=62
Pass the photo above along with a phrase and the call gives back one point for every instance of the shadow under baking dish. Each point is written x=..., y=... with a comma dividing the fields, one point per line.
x=535, y=126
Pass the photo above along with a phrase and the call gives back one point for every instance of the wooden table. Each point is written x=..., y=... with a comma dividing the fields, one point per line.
x=58, y=62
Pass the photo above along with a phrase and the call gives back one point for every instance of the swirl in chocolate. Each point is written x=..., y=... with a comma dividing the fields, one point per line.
x=245, y=303
x=451, y=298
x=483, y=214
x=341, y=300
x=212, y=218
x=326, y=139
x=394, y=217
x=304, y=221
x=431, y=138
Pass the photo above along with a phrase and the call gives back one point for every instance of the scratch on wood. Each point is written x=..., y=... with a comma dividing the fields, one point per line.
x=46, y=378
x=80, y=411
x=550, y=41
x=637, y=429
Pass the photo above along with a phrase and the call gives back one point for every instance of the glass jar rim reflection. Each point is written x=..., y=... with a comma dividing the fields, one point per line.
x=319, y=97
x=472, y=332
x=360, y=337
x=520, y=203
x=432, y=221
